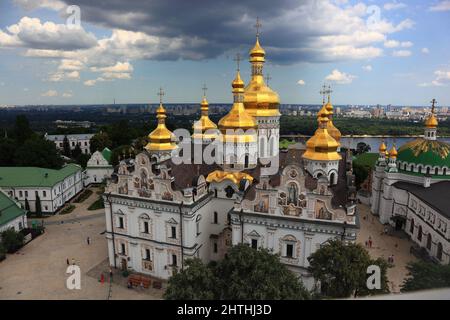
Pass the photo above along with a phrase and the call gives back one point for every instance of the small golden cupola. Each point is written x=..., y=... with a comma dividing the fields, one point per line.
x=161, y=139
x=393, y=152
x=204, y=128
x=322, y=146
x=259, y=99
x=431, y=124
x=382, y=149
x=238, y=118
x=332, y=130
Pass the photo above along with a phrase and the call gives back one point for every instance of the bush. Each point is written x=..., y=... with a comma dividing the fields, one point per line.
x=12, y=240
x=83, y=196
x=68, y=209
x=2, y=252
x=97, y=205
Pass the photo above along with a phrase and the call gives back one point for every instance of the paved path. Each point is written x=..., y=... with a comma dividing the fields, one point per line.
x=384, y=246
x=38, y=270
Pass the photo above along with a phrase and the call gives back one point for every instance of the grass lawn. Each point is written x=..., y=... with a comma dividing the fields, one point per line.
x=284, y=144
x=97, y=204
x=83, y=196
x=67, y=209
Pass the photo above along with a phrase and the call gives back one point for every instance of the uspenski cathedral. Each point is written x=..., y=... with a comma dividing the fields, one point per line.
x=160, y=212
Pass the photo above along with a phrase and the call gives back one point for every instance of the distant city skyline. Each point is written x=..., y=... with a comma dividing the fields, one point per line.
x=371, y=52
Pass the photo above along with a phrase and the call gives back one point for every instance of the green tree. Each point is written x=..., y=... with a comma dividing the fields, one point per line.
x=66, y=147
x=2, y=252
x=244, y=273
x=342, y=269
x=7, y=148
x=425, y=275
x=196, y=282
x=38, y=207
x=27, y=205
x=100, y=141
x=38, y=152
x=22, y=130
x=76, y=152
x=12, y=240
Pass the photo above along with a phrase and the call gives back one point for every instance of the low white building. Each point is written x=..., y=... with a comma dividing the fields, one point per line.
x=410, y=191
x=83, y=140
x=53, y=187
x=98, y=167
x=11, y=214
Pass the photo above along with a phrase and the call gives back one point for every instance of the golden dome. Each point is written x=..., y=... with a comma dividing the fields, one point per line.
x=431, y=121
x=383, y=147
x=393, y=152
x=322, y=146
x=204, y=123
x=161, y=139
x=259, y=99
x=235, y=177
x=237, y=118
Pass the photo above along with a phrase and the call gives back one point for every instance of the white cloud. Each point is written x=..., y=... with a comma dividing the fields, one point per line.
x=90, y=83
x=401, y=53
x=367, y=68
x=396, y=44
x=34, y=4
x=394, y=5
x=425, y=50
x=118, y=67
x=67, y=94
x=50, y=93
x=301, y=82
x=441, y=6
x=62, y=76
x=442, y=78
x=340, y=77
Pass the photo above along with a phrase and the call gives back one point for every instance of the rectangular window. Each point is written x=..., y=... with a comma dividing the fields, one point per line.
x=215, y=247
x=26, y=194
x=289, y=250
x=122, y=247
x=216, y=219
x=145, y=227
x=174, y=259
x=120, y=222
x=20, y=194
x=173, y=234
x=147, y=254
x=197, y=226
x=44, y=193
x=254, y=244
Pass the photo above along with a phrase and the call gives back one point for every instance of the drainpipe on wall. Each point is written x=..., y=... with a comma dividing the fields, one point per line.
x=181, y=232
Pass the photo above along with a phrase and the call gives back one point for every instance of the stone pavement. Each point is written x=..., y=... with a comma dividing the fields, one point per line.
x=38, y=270
x=384, y=245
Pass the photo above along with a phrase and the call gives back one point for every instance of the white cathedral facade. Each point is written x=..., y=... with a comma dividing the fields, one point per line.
x=159, y=212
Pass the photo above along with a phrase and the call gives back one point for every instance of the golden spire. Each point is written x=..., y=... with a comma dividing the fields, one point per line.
x=204, y=123
x=332, y=130
x=383, y=147
x=161, y=139
x=237, y=118
x=322, y=146
x=432, y=121
x=259, y=99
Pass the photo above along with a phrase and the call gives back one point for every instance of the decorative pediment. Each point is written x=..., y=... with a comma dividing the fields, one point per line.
x=172, y=221
x=254, y=234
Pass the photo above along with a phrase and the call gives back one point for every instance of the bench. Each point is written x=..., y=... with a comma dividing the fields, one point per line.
x=137, y=280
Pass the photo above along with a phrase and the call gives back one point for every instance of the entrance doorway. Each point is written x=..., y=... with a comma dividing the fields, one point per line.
x=123, y=264
x=399, y=223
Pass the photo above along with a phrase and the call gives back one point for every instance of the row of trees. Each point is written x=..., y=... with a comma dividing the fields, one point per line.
x=11, y=241
x=246, y=273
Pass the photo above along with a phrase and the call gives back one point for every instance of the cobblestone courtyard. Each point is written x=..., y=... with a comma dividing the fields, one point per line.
x=385, y=245
x=37, y=271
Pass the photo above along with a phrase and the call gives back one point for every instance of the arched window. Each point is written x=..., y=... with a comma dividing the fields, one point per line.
x=246, y=161
x=436, y=171
x=411, y=227
x=404, y=167
x=439, y=251
x=215, y=217
x=332, y=178
x=444, y=171
x=429, y=241
x=271, y=146
x=428, y=170
x=411, y=168
x=419, y=169
x=419, y=234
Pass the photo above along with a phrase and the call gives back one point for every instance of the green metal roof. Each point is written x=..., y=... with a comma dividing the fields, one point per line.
x=425, y=152
x=107, y=154
x=35, y=177
x=9, y=210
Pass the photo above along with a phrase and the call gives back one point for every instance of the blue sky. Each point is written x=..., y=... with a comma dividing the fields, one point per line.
x=387, y=52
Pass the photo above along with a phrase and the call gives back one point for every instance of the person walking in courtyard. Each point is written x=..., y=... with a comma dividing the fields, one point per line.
x=67, y=260
x=110, y=275
x=88, y=240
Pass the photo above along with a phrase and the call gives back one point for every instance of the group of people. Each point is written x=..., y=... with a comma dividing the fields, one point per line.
x=369, y=243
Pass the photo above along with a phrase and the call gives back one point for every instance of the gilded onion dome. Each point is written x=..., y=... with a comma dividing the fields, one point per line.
x=204, y=124
x=237, y=118
x=332, y=130
x=383, y=147
x=161, y=139
x=431, y=121
x=259, y=99
x=393, y=153
x=322, y=146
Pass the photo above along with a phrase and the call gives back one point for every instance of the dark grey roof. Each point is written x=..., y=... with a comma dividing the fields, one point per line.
x=436, y=196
